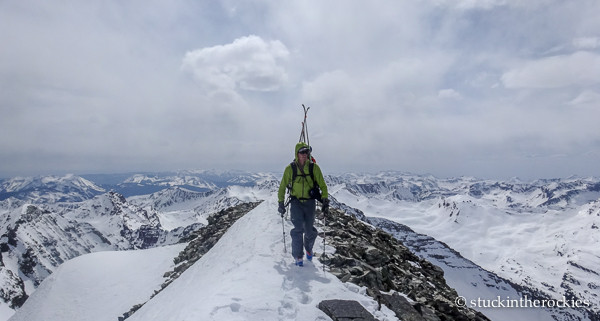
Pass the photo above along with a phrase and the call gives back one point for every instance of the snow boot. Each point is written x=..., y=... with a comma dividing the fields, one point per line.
x=299, y=262
x=309, y=256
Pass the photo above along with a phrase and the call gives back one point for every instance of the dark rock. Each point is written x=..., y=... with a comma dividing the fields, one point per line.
x=345, y=310
x=427, y=313
x=401, y=307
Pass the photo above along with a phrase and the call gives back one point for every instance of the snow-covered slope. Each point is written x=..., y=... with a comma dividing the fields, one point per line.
x=245, y=276
x=99, y=286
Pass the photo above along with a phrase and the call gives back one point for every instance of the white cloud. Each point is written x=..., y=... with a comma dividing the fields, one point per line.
x=248, y=63
x=578, y=69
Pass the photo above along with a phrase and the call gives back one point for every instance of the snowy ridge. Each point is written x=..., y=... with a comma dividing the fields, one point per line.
x=217, y=287
x=277, y=289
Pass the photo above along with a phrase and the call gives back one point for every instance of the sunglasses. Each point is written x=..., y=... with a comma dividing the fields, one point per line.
x=303, y=152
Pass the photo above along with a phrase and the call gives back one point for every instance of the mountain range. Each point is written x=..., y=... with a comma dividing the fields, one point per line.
x=491, y=238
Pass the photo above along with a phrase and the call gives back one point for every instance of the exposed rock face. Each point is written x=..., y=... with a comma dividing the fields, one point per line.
x=12, y=289
x=372, y=258
x=345, y=310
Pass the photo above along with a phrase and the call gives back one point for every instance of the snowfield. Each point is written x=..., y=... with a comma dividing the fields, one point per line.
x=99, y=286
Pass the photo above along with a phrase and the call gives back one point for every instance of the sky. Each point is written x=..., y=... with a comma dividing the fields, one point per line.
x=484, y=88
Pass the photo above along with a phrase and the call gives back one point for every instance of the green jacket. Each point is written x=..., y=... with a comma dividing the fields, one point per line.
x=302, y=184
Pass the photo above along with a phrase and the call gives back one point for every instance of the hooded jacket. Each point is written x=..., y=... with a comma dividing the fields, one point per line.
x=302, y=183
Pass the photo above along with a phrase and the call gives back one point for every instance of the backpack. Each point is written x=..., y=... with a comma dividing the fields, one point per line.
x=315, y=192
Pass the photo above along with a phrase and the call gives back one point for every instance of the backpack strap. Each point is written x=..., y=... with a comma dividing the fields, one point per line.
x=294, y=166
x=311, y=167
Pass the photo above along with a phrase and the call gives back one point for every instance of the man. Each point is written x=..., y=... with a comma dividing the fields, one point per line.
x=302, y=200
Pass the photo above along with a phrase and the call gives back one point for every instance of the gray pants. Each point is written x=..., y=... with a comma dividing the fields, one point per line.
x=304, y=233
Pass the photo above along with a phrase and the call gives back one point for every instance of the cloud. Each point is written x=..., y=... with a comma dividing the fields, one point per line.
x=248, y=63
x=489, y=4
x=203, y=84
x=587, y=97
x=449, y=94
x=586, y=42
x=581, y=68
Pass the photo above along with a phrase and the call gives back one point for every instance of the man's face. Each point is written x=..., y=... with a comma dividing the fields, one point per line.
x=302, y=156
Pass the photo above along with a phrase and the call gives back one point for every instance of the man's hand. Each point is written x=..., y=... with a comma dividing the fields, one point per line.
x=281, y=209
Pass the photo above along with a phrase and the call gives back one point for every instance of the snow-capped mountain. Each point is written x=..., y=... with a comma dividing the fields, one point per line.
x=180, y=207
x=542, y=235
x=508, y=238
x=37, y=238
x=49, y=189
x=199, y=181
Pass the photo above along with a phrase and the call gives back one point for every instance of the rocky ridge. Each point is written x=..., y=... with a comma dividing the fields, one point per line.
x=200, y=242
x=365, y=256
x=396, y=277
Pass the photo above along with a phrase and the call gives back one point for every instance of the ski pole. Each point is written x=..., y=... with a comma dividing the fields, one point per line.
x=283, y=229
x=324, y=233
x=324, y=236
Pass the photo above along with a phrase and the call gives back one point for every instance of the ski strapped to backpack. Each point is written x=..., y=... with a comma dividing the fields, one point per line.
x=315, y=192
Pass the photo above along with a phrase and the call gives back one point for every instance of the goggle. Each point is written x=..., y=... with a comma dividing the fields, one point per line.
x=304, y=151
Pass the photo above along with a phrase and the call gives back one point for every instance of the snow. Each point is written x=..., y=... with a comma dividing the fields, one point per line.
x=99, y=286
x=245, y=276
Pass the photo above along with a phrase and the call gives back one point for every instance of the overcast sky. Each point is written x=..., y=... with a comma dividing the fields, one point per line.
x=484, y=88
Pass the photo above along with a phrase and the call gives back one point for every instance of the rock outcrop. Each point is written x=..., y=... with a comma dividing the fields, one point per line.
x=345, y=310
x=370, y=257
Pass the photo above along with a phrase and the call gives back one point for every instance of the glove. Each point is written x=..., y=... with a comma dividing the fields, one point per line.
x=281, y=209
x=325, y=206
